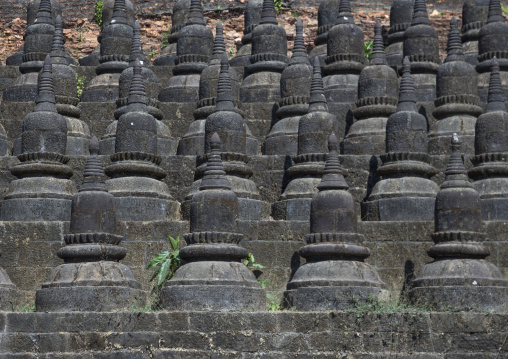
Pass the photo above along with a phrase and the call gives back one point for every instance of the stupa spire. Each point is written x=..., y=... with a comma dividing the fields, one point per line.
x=496, y=94
x=333, y=178
x=317, y=100
x=407, y=93
x=420, y=15
x=215, y=176
x=268, y=13
x=196, y=14
x=378, y=51
x=46, y=90
x=454, y=47
x=224, y=92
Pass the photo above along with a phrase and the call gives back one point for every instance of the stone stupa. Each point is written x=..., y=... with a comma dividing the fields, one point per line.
x=91, y=278
x=459, y=277
x=213, y=276
x=335, y=275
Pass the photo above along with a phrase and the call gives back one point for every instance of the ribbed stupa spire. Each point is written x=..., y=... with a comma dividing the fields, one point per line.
x=58, y=48
x=496, y=94
x=407, y=93
x=215, y=176
x=378, y=51
x=44, y=13
x=93, y=173
x=196, y=14
x=345, y=16
x=137, y=91
x=299, y=45
x=119, y=12
x=137, y=47
x=224, y=92
x=317, y=101
x=268, y=13
x=420, y=15
x=219, y=46
x=456, y=174
x=495, y=12
x=333, y=178
x=46, y=90
x=454, y=47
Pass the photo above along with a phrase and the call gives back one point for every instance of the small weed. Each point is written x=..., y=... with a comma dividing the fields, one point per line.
x=232, y=50
x=80, y=86
x=272, y=303
x=97, y=16
x=219, y=10
x=505, y=9
x=152, y=53
x=295, y=13
x=145, y=309
x=367, y=49
x=250, y=262
x=166, y=264
x=26, y=308
x=80, y=30
x=279, y=5
x=165, y=36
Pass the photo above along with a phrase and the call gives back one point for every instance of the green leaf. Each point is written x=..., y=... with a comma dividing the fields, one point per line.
x=250, y=257
x=246, y=262
x=174, y=242
x=164, y=271
x=257, y=265
x=155, y=274
x=159, y=258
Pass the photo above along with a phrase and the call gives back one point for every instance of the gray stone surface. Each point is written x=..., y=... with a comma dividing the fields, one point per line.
x=405, y=191
x=457, y=102
x=335, y=275
x=260, y=90
x=491, y=144
x=344, y=62
x=91, y=279
x=194, y=51
x=304, y=176
x=43, y=190
x=135, y=172
x=193, y=142
x=492, y=39
x=93, y=59
x=294, y=92
x=421, y=46
x=459, y=277
x=327, y=17
x=178, y=20
x=229, y=124
x=213, y=276
x=252, y=16
x=115, y=46
x=378, y=89
x=165, y=143
x=474, y=16
x=355, y=335
x=401, y=14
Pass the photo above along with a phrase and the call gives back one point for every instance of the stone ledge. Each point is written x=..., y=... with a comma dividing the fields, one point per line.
x=244, y=334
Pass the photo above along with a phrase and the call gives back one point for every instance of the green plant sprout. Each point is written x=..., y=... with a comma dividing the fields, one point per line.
x=367, y=49
x=166, y=264
x=97, y=16
x=250, y=262
x=232, y=50
x=80, y=85
x=278, y=5
x=165, y=36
